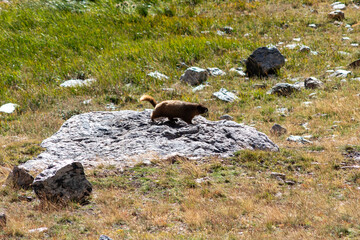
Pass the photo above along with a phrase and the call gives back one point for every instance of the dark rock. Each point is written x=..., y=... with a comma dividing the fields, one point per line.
x=355, y=64
x=227, y=29
x=277, y=129
x=337, y=15
x=312, y=83
x=62, y=183
x=264, y=61
x=284, y=89
x=279, y=176
x=194, y=76
x=2, y=220
x=259, y=86
x=104, y=237
x=125, y=138
x=20, y=178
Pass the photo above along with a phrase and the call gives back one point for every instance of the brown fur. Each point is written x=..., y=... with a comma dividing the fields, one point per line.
x=175, y=109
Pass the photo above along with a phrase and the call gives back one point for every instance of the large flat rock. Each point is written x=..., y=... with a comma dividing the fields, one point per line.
x=125, y=138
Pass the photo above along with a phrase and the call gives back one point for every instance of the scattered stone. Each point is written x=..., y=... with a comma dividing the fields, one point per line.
x=345, y=38
x=104, y=237
x=194, y=76
x=312, y=95
x=306, y=104
x=304, y=49
x=312, y=83
x=38, y=230
x=77, y=82
x=158, y=75
x=299, y=139
x=305, y=126
x=20, y=178
x=284, y=89
x=259, y=86
x=202, y=180
x=199, y=88
x=337, y=15
x=215, y=72
x=278, y=176
x=340, y=73
x=312, y=25
x=354, y=44
x=355, y=64
x=125, y=138
x=292, y=46
x=338, y=6
x=351, y=167
x=220, y=33
x=277, y=129
x=315, y=53
x=282, y=111
x=289, y=182
x=8, y=107
x=297, y=39
x=168, y=89
x=2, y=220
x=344, y=53
x=264, y=61
x=87, y=102
x=238, y=70
x=62, y=183
x=111, y=106
x=225, y=95
x=226, y=117
x=227, y=29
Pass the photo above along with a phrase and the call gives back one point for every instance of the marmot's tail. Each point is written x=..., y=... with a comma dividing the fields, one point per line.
x=148, y=98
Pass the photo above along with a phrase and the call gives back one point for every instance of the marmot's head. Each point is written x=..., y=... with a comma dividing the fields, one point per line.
x=201, y=109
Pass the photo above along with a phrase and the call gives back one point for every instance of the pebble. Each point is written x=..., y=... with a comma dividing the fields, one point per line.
x=8, y=107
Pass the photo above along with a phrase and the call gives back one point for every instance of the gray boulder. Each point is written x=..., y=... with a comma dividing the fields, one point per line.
x=194, y=76
x=312, y=83
x=62, y=183
x=264, y=61
x=125, y=138
x=20, y=178
x=284, y=89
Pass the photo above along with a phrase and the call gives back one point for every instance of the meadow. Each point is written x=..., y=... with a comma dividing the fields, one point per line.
x=44, y=43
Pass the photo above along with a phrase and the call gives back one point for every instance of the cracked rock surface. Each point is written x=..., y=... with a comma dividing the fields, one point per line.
x=125, y=138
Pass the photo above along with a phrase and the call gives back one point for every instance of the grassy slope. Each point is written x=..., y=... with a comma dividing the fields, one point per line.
x=44, y=43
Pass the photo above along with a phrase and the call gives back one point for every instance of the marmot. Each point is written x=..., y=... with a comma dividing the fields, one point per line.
x=175, y=109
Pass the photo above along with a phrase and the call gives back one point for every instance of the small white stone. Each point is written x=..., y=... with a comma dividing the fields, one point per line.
x=344, y=53
x=8, y=107
x=312, y=25
x=215, y=72
x=158, y=75
x=238, y=70
x=345, y=38
x=86, y=102
x=225, y=95
x=292, y=46
x=38, y=230
x=340, y=73
x=77, y=82
x=297, y=39
x=306, y=104
x=354, y=44
x=338, y=6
